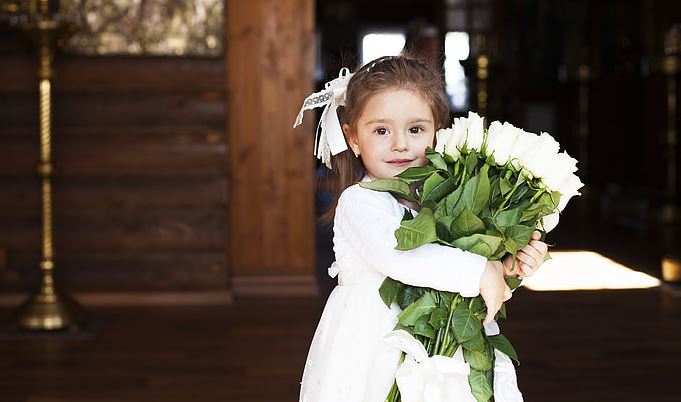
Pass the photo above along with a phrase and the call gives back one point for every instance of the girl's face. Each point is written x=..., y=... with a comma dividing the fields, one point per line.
x=392, y=132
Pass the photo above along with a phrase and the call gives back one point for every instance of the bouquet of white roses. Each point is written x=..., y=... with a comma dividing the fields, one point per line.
x=484, y=191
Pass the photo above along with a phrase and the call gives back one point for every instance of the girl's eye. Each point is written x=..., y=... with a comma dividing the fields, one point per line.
x=381, y=131
x=415, y=130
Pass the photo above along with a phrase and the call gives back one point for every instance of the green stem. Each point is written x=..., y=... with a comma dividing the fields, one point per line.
x=539, y=193
x=394, y=394
x=506, y=199
x=449, y=319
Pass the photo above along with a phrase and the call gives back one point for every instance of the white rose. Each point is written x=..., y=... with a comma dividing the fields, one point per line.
x=456, y=139
x=441, y=138
x=523, y=148
x=500, y=140
x=569, y=189
x=549, y=222
x=563, y=167
x=475, y=131
x=541, y=160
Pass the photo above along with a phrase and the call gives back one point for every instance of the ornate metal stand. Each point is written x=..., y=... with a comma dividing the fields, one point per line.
x=48, y=309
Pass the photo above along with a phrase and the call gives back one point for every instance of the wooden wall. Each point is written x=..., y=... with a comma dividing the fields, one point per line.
x=270, y=46
x=141, y=181
x=146, y=151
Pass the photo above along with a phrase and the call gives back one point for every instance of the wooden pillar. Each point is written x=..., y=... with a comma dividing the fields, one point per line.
x=269, y=47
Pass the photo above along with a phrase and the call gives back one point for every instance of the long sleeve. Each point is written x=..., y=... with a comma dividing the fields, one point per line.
x=367, y=221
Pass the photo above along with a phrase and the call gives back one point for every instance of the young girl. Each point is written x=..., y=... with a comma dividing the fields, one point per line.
x=392, y=108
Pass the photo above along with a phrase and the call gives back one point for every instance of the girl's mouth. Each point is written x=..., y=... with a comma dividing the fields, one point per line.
x=400, y=162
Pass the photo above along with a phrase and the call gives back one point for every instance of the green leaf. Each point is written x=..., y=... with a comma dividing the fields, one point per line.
x=476, y=191
x=407, y=215
x=471, y=161
x=476, y=343
x=416, y=232
x=449, y=158
x=478, y=360
x=442, y=228
x=424, y=305
x=512, y=282
x=478, y=305
x=389, y=290
x=502, y=344
x=414, y=174
x=408, y=295
x=480, y=387
x=517, y=237
x=481, y=244
x=423, y=327
x=438, y=318
x=464, y=323
x=519, y=194
x=505, y=186
x=396, y=187
x=436, y=191
x=467, y=224
x=508, y=217
x=446, y=299
x=453, y=203
x=436, y=159
x=494, y=191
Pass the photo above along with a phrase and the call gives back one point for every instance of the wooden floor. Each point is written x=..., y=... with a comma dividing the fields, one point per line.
x=574, y=346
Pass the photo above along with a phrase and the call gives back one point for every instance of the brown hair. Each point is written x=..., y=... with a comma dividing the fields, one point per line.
x=385, y=73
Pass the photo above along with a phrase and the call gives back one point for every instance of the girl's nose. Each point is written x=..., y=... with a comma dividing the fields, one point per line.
x=400, y=142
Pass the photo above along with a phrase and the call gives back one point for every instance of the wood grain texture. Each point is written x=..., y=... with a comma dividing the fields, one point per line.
x=269, y=64
x=140, y=184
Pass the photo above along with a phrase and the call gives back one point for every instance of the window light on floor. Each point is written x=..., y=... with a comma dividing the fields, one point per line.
x=586, y=270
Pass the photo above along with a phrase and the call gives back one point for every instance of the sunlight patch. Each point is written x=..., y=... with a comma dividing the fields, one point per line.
x=586, y=270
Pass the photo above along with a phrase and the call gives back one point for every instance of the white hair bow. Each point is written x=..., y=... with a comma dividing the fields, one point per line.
x=423, y=378
x=329, y=139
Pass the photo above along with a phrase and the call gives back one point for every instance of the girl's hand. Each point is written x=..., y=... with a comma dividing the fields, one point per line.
x=528, y=259
x=493, y=289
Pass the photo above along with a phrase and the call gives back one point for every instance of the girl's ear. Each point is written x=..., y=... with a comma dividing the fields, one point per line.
x=351, y=138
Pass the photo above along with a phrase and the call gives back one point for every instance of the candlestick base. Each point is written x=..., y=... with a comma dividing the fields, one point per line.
x=49, y=312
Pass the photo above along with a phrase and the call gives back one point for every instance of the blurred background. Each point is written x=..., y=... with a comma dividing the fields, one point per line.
x=158, y=214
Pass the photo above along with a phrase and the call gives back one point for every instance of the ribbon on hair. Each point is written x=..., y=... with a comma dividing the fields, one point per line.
x=329, y=139
x=423, y=378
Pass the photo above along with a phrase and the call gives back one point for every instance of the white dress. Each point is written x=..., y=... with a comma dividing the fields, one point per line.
x=348, y=360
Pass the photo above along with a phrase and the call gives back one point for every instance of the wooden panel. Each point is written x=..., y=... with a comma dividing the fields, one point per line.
x=83, y=109
x=120, y=228
x=123, y=270
x=271, y=167
x=124, y=151
x=140, y=187
x=117, y=74
x=117, y=192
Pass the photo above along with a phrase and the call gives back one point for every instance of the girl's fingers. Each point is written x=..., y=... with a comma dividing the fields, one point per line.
x=511, y=269
x=540, y=246
x=536, y=235
x=527, y=271
x=527, y=259
x=532, y=253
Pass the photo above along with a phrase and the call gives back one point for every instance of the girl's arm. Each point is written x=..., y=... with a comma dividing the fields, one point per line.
x=367, y=220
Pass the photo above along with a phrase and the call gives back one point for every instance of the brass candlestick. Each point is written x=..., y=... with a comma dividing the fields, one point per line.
x=48, y=309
